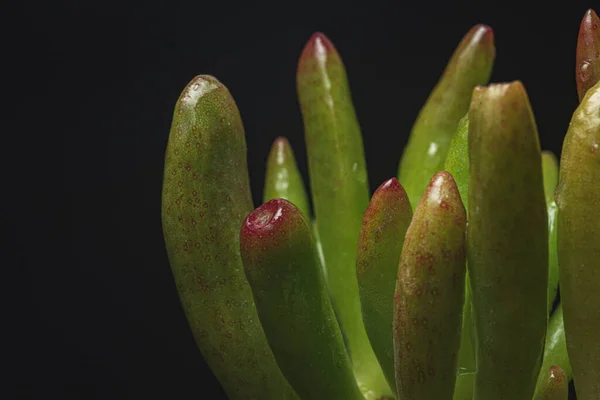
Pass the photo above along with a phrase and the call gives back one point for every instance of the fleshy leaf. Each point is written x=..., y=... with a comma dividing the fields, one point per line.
x=429, y=294
x=206, y=195
x=578, y=232
x=587, y=56
x=379, y=246
x=507, y=242
x=281, y=263
x=428, y=143
x=340, y=193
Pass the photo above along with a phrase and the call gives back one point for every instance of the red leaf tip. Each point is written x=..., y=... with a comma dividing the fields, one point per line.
x=590, y=16
x=390, y=184
x=266, y=214
x=318, y=46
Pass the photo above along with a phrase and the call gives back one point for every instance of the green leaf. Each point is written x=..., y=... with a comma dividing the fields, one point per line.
x=578, y=200
x=206, y=195
x=340, y=193
x=428, y=143
x=282, y=266
x=429, y=295
x=507, y=242
x=379, y=246
x=283, y=179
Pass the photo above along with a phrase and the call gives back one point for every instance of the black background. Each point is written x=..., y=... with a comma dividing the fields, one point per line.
x=92, y=311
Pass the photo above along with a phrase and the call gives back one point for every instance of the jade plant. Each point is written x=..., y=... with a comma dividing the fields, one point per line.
x=472, y=274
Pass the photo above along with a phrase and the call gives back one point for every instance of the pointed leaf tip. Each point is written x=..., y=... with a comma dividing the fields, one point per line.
x=280, y=151
x=319, y=47
x=482, y=34
x=587, y=58
x=281, y=142
x=442, y=191
x=390, y=184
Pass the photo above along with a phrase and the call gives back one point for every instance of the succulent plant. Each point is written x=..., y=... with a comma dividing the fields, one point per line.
x=472, y=274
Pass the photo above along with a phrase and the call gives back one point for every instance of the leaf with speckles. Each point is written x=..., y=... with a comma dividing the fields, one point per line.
x=282, y=266
x=507, y=238
x=457, y=164
x=550, y=173
x=283, y=179
x=429, y=295
x=379, y=245
x=587, y=56
x=428, y=143
x=555, y=385
x=555, y=349
x=205, y=197
x=340, y=193
x=578, y=199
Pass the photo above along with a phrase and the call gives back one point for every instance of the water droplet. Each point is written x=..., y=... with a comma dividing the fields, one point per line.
x=585, y=71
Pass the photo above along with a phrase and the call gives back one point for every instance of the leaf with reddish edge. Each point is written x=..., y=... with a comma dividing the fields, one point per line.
x=429, y=294
x=340, y=193
x=427, y=147
x=587, y=58
x=507, y=238
x=555, y=385
x=205, y=197
x=379, y=246
x=281, y=263
x=578, y=199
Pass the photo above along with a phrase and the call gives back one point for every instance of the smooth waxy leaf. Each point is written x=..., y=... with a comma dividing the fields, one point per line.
x=555, y=349
x=340, y=193
x=587, y=57
x=205, y=197
x=428, y=143
x=429, y=295
x=281, y=263
x=283, y=179
x=578, y=200
x=379, y=246
x=457, y=164
x=550, y=172
x=507, y=242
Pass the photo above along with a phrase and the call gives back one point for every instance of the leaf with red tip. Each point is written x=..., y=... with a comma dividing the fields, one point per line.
x=429, y=294
x=427, y=147
x=379, y=246
x=281, y=263
x=587, y=56
x=340, y=193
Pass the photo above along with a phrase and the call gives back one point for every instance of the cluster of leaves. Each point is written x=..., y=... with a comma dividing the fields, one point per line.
x=442, y=284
